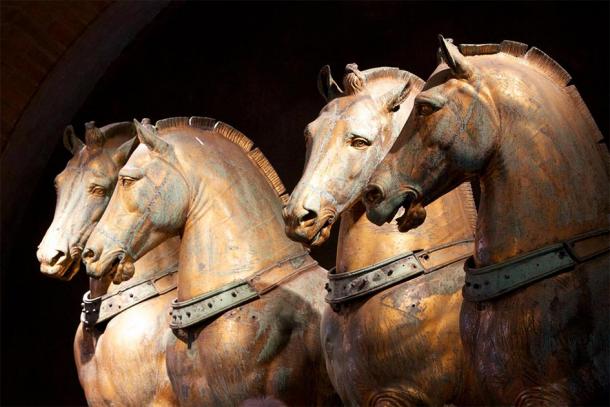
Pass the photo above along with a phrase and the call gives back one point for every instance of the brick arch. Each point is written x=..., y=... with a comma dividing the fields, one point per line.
x=53, y=53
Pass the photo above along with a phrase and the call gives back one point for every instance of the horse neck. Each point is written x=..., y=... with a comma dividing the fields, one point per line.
x=160, y=259
x=449, y=219
x=234, y=229
x=546, y=182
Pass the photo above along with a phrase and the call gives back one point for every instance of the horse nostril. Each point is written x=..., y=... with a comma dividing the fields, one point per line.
x=57, y=257
x=88, y=254
x=308, y=216
x=373, y=195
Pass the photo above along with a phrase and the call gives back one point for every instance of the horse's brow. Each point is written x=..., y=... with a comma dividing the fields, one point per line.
x=82, y=170
x=130, y=171
x=97, y=173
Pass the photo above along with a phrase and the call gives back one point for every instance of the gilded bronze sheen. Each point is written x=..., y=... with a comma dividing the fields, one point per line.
x=505, y=113
x=386, y=342
x=202, y=180
x=203, y=292
x=127, y=338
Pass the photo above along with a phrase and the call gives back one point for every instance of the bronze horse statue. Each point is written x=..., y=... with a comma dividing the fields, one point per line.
x=119, y=346
x=394, y=342
x=249, y=302
x=535, y=317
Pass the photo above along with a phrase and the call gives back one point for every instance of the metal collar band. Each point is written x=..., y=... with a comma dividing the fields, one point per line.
x=344, y=287
x=492, y=281
x=212, y=303
x=101, y=309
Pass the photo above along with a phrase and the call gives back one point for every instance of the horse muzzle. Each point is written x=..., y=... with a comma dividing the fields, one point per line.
x=381, y=208
x=308, y=227
x=115, y=263
x=57, y=263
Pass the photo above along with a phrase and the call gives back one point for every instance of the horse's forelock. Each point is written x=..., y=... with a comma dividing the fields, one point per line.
x=94, y=137
x=354, y=80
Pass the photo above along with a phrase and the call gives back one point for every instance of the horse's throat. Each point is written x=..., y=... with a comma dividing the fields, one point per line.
x=159, y=260
x=362, y=243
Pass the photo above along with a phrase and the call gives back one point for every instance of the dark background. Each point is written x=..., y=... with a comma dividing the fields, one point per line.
x=254, y=66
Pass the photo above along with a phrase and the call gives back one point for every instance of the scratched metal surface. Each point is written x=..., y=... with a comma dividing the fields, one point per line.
x=505, y=114
x=203, y=180
x=401, y=345
x=107, y=356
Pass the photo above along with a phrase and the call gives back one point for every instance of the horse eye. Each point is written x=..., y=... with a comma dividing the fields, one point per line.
x=97, y=190
x=425, y=108
x=359, y=142
x=127, y=181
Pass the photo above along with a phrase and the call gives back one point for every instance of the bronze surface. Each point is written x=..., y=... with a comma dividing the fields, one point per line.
x=133, y=341
x=402, y=345
x=504, y=113
x=201, y=179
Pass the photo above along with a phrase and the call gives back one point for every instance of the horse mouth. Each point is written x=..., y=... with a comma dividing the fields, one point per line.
x=313, y=232
x=118, y=265
x=64, y=270
x=323, y=232
x=414, y=212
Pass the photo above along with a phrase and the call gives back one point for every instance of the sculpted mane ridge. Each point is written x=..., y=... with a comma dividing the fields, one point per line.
x=236, y=137
x=120, y=128
x=469, y=204
x=547, y=66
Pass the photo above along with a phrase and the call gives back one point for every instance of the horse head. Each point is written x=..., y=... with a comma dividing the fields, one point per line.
x=351, y=135
x=148, y=207
x=450, y=135
x=83, y=189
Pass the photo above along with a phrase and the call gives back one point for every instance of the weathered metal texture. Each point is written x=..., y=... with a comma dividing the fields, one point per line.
x=134, y=340
x=203, y=307
x=344, y=287
x=201, y=179
x=508, y=118
x=97, y=310
x=401, y=345
x=497, y=279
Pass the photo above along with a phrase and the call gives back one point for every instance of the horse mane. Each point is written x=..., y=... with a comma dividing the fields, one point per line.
x=96, y=137
x=354, y=80
x=115, y=129
x=547, y=66
x=391, y=72
x=470, y=209
x=236, y=137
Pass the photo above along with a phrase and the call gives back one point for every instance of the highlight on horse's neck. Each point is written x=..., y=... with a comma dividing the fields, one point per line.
x=235, y=227
x=547, y=181
x=449, y=219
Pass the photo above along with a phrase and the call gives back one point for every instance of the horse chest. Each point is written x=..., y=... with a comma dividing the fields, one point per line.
x=523, y=339
x=402, y=343
x=255, y=350
x=133, y=341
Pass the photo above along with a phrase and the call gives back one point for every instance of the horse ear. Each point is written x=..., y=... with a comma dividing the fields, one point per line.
x=452, y=56
x=392, y=100
x=121, y=154
x=72, y=143
x=327, y=86
x=147, y=135
x=94, y=138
